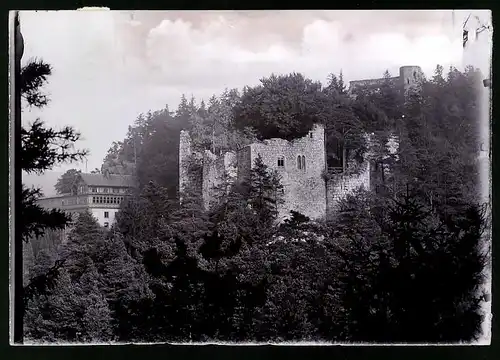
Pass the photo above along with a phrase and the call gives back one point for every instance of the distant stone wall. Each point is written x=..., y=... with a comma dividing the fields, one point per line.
x=339, y=186
x=409, y=77
x=369, y=83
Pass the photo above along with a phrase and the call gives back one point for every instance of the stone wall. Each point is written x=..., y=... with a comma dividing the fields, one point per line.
x=214, y=170
x=410, y=76
x=185, y=153
x=369, y=83
x=339, y=186
x=244, y=162
x=304, y=189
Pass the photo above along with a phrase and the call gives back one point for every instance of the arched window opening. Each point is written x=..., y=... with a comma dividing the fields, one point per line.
x=303, y=162
x=281, y=161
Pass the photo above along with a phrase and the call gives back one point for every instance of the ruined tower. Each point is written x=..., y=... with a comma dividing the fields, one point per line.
x=410, y=77
x=300, y=164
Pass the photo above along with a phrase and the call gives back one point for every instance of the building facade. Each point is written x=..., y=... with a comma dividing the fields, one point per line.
x=101, y=194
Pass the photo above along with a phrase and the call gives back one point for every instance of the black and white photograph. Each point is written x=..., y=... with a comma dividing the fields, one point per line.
x=250, y=177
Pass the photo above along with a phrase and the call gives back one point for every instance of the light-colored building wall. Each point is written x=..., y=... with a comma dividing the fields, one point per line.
x=100, y=214
x=97, y=203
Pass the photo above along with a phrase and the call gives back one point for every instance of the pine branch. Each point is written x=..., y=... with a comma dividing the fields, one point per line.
x=43, y=147
x=33, y=77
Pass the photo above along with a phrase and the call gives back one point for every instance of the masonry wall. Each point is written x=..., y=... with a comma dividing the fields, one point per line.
x=214, y=170
x=304, y=189
x=340, y=185
x=410, y=76
x=244, y=162
x=185, y=152
x=369, y=83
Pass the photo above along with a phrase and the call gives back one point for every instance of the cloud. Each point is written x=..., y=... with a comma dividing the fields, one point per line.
x=110, y=66
x=212, y=50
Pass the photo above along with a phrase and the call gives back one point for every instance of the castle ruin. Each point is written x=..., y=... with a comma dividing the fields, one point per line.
x=301, y=164
x=308, y=186
x=409, y=78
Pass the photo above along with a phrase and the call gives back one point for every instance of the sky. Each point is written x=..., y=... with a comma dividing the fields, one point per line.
x=110, y=66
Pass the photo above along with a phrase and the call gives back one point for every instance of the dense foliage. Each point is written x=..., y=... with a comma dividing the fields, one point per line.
x=42, y=148
x=403, y=262
x=68, y=182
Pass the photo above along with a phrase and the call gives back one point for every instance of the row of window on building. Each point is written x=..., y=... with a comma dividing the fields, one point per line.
x=106, y=190
x=75, y=201
x=301, y=162
x=106, y=199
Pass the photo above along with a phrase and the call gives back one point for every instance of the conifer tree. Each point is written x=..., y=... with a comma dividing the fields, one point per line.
x=265, y=192
x=42, y=148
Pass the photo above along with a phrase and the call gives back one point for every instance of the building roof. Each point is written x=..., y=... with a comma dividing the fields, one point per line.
x=108, y=180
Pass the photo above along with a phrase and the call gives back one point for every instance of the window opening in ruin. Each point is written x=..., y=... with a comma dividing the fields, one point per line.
x=299, y=162
x=408, y=81
x=303, y=162
x=281, y=161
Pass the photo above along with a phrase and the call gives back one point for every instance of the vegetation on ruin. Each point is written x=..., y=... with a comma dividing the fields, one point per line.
x=402, y=263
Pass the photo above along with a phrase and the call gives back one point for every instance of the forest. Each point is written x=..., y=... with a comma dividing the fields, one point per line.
x=402, y=262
